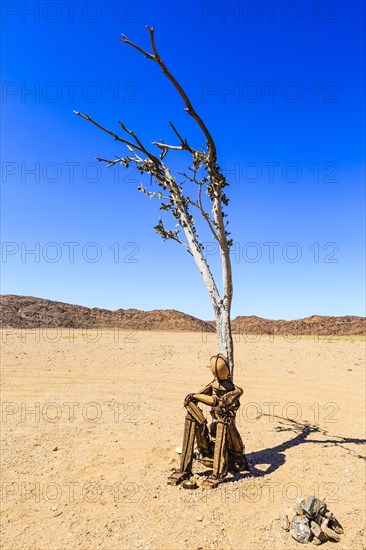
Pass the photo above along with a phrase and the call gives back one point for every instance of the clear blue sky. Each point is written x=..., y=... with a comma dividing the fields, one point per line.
x=281, y=87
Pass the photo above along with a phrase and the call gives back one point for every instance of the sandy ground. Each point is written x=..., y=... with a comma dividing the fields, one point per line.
x=91, y=421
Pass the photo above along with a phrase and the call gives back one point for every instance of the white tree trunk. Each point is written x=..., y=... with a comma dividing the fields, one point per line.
x=221, y=305
x=224, y=337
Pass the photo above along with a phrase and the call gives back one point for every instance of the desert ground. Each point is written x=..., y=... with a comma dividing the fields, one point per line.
x=91, y=421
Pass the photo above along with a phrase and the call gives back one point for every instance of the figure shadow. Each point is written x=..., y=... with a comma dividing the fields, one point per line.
x=275, y=456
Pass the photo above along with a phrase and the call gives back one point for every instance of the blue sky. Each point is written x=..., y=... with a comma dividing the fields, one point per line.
x=280, y=86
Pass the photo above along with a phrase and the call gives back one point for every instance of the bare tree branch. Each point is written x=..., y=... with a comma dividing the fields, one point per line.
x=163, y=146
x=126, y=41
x=183, y=141
x=115, y=136
x=139, y=143
x=109, y=162
x=189, y=107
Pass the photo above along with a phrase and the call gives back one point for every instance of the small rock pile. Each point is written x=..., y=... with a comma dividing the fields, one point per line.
x=311, y=521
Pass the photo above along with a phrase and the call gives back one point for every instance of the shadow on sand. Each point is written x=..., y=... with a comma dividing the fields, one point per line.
x=276, y=456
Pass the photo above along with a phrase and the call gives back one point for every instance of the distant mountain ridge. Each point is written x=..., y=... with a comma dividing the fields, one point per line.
x=30, y=312
x=348, y=325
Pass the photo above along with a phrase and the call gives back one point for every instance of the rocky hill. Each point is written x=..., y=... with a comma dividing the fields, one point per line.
x=316, y=324
x=30, y=312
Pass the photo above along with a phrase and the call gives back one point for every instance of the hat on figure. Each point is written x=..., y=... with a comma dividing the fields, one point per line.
x=219, y=366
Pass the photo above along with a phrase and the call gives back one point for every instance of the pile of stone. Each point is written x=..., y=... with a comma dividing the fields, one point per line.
x=311, y=521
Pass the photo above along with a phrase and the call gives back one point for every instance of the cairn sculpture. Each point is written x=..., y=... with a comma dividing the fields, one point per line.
x=311, y=521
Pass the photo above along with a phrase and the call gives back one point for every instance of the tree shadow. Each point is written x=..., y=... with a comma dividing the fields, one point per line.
x=276, y=456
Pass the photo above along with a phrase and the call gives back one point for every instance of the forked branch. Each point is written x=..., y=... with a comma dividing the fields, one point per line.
x=211, y=147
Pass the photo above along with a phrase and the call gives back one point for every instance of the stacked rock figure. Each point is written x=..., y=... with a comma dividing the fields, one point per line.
x=311, y=521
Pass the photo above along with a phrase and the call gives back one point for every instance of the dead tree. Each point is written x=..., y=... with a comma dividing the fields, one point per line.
x=208, y=178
